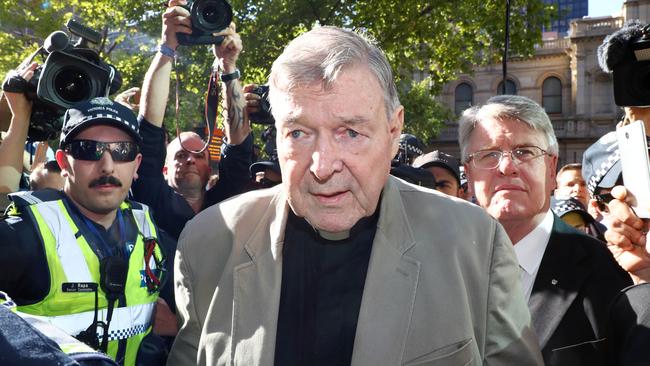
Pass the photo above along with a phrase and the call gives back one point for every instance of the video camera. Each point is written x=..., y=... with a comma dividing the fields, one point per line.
x=208, y=17
x=626, y=53
x=69, y=75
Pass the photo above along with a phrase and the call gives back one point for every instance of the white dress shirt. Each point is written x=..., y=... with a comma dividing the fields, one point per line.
x=530, y=250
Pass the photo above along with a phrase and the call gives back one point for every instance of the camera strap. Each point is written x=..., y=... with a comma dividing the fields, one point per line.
x=208, y=115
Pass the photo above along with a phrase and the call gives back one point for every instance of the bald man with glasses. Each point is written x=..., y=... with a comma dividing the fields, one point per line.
x=510, y=154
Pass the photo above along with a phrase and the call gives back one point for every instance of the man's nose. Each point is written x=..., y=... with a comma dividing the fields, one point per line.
x=106, y=163
x=507, y=165
x=326, y=159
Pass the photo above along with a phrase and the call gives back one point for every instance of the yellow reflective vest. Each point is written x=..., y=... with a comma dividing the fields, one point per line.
x=71, y=260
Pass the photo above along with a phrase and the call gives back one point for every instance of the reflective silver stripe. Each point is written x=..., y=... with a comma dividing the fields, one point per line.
x=27, y=196
x=70, y=254
x=126, y=322
x=142, y=222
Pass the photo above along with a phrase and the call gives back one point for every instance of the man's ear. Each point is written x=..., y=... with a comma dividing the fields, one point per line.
x=138, y=161
x=396, y=125
x=64, y=164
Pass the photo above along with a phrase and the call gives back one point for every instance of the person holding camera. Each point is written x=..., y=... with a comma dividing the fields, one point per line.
x=86, y=259
x=172, y=180
x=13, y=145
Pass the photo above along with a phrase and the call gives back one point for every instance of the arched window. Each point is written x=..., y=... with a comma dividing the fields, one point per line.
x=552, y=95
x=464, y=98
x=511, y=88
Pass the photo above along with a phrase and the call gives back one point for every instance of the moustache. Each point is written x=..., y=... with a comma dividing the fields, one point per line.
x=106, y=179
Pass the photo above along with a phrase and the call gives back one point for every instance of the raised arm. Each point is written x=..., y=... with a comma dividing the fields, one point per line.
x=155, y=88
x=12, y=147
x=237, y=127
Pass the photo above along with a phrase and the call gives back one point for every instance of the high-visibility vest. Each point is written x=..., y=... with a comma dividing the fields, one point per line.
x=71, y=260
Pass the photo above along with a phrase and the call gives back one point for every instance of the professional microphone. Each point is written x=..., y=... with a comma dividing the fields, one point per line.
x=57, y=41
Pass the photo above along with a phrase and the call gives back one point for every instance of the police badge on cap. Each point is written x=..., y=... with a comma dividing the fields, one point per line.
x=98, y=111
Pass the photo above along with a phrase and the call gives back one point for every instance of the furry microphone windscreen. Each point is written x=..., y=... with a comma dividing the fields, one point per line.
x=617, y=45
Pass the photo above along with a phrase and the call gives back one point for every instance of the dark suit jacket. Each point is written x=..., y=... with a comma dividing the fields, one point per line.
x=577, y=280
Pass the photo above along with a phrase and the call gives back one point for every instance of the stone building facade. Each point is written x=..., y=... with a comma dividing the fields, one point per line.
x=563, y=76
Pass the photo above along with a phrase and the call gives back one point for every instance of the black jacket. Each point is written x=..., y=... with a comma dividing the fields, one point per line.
x=577, y=280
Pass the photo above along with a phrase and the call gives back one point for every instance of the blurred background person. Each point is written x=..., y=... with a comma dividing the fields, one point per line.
x=571, y=184
x=46, y=175
x=445, y=169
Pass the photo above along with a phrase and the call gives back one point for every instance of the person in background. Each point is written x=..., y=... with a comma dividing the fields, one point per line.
x=172, y=179
x=510, y=150
x=571, y=184
x=46, y=175
x=445, y=171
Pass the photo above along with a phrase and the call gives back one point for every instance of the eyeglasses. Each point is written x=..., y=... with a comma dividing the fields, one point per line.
x=93, y=150
x=490, y=159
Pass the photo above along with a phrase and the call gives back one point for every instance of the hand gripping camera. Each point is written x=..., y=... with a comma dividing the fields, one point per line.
x=69, y=75
x=208, y=17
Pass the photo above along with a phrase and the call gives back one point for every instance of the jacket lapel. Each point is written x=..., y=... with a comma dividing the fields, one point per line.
x=257, y=287
x=390, y=287
x=557, y=283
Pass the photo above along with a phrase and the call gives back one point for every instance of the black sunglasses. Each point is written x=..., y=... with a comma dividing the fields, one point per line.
x=93, y=150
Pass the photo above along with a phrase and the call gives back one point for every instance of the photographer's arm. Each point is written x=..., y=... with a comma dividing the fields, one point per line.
x=13, y=145
x=155, y=87
x=237, y=127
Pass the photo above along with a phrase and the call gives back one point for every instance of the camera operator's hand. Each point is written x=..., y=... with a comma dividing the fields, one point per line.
x=129, y=98
x=176, y=19
x=228, y=51
x=252, y=99
x=12, y=147
x=20, y=106
x=627, y=237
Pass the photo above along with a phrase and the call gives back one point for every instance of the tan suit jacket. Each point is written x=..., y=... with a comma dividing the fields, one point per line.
x=442, y=286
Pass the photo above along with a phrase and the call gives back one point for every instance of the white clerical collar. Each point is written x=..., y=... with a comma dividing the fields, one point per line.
x=530, y=249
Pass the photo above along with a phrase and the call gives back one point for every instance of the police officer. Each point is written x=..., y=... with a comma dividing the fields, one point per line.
x=86, y=259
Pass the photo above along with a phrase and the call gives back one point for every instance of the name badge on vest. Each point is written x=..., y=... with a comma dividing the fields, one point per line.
x=79, y=287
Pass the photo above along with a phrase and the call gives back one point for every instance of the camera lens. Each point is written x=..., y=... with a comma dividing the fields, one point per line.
x=213, y=15
x=72, y=85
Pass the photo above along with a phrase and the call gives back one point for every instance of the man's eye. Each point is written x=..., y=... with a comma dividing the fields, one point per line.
x=295, y=134
x=352, y=133
x=524, y=152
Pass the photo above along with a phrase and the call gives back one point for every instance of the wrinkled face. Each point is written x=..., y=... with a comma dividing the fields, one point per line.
x=511, y=191
x=571, y=184
x=445, y=180
x=98, y=187
x=185, y=170
x=335, y=148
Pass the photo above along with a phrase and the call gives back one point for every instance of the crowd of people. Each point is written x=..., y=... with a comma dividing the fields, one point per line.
x=351, y=243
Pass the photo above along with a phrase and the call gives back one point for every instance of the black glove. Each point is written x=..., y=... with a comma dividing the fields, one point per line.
x=14, y=83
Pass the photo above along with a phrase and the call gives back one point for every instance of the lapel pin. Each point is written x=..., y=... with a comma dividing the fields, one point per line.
x=554, y=282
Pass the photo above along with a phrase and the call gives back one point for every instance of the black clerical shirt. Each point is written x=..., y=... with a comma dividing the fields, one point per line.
x=322, y=286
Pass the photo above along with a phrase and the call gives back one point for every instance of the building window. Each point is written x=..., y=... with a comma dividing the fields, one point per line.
x=552, y=95
x=464, y=98
x=511, y=88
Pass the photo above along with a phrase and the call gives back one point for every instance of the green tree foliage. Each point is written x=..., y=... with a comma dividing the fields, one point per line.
x=437, y=38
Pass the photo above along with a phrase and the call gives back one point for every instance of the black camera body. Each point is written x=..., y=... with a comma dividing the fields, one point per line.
x=626, y=54
x=264, y=116
x=69, y=75
x=208, y=17
x=632, y=75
